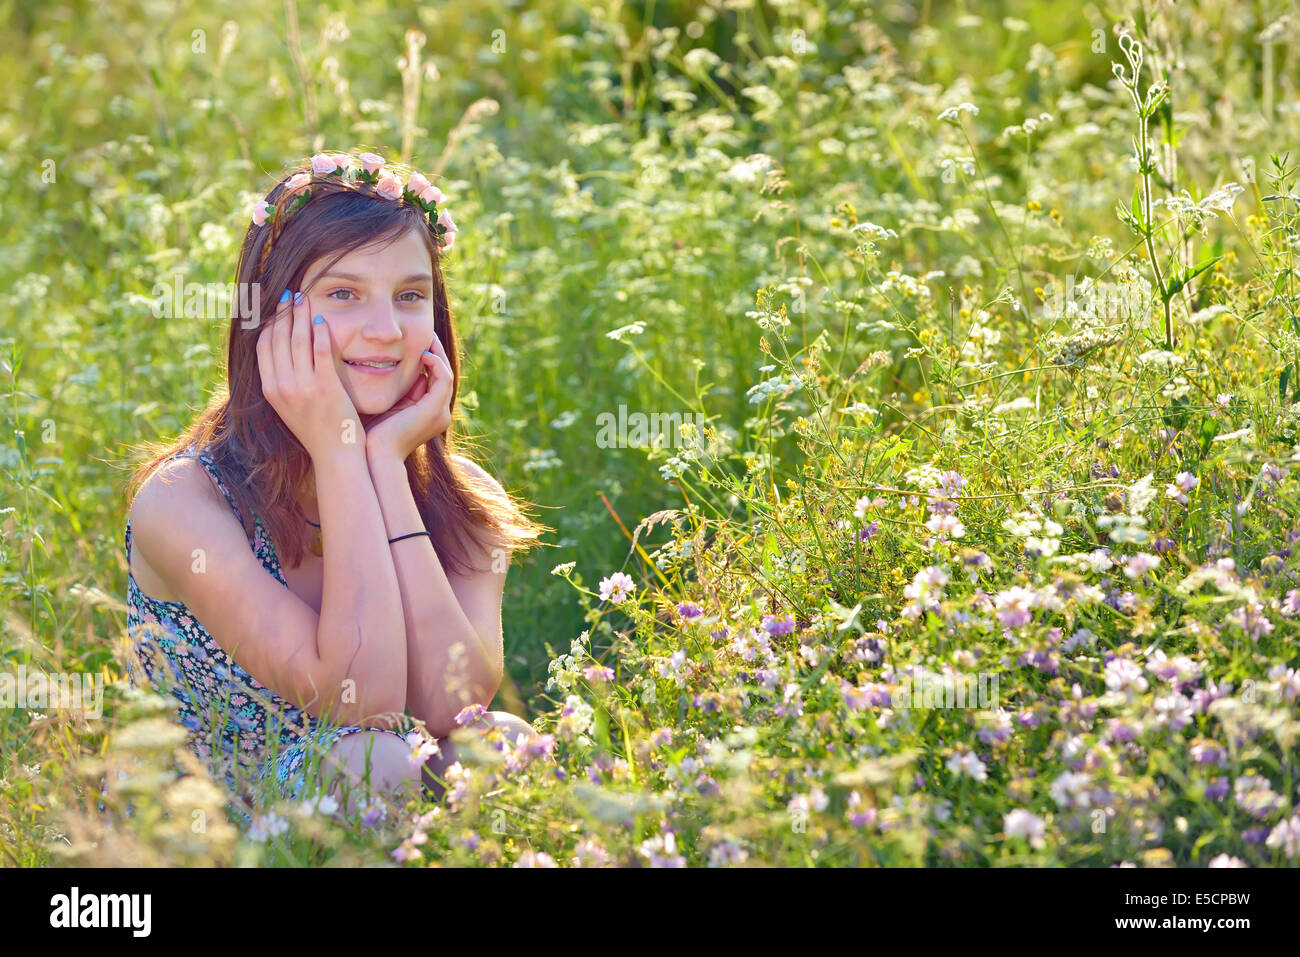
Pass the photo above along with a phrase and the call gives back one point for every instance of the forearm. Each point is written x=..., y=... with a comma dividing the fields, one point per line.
x=361, y=637
x=441, y=680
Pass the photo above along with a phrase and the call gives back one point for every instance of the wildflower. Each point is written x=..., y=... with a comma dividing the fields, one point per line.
x=1217, y=789
x=966, y=762
x=1251, y=620
x=267, y=826
x=661, y=851
x=407, y=849
x=674, y=668
x=535, y=859
x=946, y=526
x=1224, y=860
x=1255, y=796
x=468, y=715
x=689, y=609
x=422, y=749
x=953, y=113
x=325, y=804
x=1070, y=790
x=590, y=853
x=996, y=727
x=728, y=852
x=1140, y=564
x=1014, y=606
x=661, y=737
x=1286, y=835
x=775, y=627
x=1271, y=475
x=868, y=533
x=616, y=587
x=1022, y=823
x=375, y=812
x=791, y=702
x=598, y=673
x=632, y=328
x=879, y=232
x=563, y=569
x=1124, y=675
x=1291, y=604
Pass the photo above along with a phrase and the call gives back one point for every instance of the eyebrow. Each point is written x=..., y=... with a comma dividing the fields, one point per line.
x=361, y=280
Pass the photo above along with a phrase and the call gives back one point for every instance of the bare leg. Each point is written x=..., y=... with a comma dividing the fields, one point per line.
x=511, y=725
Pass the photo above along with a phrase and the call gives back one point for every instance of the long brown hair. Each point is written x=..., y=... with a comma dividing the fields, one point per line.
x=258, y=456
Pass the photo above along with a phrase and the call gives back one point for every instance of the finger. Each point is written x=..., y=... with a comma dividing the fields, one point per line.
x=321, y=356
x=281, y=355
x=265, y=363
x=301, y=340
x=266, y=341
x=437, y=349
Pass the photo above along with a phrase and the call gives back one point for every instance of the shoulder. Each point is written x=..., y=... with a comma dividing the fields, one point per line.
x=179, y=493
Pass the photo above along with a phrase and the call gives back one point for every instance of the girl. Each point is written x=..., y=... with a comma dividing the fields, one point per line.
x=370, y=601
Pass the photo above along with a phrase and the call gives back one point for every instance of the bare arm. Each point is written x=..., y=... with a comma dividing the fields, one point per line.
x=438, y=684
x=362, y=632
x=349, y=662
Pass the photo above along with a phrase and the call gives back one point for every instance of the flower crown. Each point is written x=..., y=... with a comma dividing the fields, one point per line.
x=418, y=191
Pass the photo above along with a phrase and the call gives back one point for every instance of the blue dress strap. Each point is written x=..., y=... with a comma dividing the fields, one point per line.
x=205, y=459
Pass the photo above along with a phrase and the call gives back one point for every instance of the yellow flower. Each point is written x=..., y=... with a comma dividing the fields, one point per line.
x=1034, y=206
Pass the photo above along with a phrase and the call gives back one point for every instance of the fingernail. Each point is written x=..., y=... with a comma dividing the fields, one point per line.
x=285, y=296
x=319, y=319
x=297, y=298
x=427, y=352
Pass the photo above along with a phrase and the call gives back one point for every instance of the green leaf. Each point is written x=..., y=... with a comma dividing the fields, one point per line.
x=1282, y=380
x=1208, y=431
x=1191, y=272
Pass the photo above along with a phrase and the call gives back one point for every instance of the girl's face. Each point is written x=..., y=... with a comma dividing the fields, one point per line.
x=378, y=304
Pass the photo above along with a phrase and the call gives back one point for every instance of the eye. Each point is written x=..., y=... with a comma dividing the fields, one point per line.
x=412, y=292
x=336, y=291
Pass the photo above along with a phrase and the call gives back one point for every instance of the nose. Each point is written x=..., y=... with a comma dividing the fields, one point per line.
x=381, y=323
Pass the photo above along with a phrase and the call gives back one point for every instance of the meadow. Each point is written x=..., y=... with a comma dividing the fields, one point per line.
x=972, y=537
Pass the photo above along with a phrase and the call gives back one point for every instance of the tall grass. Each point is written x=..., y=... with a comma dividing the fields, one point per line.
x=998, y=352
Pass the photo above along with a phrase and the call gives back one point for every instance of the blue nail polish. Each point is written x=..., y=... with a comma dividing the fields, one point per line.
x=285, y=296
x=319, y=319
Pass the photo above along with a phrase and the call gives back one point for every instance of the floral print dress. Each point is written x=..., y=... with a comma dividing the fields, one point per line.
x=238, y=727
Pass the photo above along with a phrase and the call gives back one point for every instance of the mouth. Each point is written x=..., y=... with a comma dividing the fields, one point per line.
x=373, y=368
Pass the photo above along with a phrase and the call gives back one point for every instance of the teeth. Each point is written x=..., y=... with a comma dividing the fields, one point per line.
x=374, y=365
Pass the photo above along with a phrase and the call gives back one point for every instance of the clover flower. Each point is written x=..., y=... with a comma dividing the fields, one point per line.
x=616, y=587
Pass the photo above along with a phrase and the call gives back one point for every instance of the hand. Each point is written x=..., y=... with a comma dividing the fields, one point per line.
x=420, y=415
x=300, y=381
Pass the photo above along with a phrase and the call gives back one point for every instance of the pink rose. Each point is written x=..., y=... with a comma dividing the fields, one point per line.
x=260, y=211
x=371, y=162
x=448, y=240
x=297, y=181
x=432, y=195
x=444, y=219
x=389, y=187
x=320, y=163
x=417, y=184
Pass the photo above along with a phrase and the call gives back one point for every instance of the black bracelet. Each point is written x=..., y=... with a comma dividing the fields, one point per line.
x=412, y=535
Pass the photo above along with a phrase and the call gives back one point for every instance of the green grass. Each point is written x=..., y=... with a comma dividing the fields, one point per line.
x=706, y=205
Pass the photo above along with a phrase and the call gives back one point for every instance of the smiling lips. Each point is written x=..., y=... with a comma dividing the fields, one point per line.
x=390, y=365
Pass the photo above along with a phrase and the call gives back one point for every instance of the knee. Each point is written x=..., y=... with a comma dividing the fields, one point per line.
x=511, y=725
x=382, y=758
